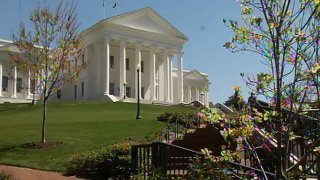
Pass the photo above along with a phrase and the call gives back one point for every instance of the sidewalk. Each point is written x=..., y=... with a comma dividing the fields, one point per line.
x=19, y=173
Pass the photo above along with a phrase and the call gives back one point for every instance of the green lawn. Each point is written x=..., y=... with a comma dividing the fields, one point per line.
x=81, y=126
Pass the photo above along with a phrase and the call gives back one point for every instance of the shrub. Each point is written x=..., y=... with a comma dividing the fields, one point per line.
x=111, y=162
x=5, y=176
x=186, y=120
x=164, y=117
x=206, y=169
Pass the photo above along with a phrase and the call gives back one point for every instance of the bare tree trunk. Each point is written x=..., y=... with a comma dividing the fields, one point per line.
x=44, y=120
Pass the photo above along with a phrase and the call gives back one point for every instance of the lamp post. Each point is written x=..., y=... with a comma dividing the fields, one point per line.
x=124, y=89
x=138, y=93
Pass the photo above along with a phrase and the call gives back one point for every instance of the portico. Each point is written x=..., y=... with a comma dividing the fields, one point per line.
x=119, y=77
x=116, y=47
x=196, y=87
x=14, y=85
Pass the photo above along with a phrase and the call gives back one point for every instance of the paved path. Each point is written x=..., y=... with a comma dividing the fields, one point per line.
x=19, y=173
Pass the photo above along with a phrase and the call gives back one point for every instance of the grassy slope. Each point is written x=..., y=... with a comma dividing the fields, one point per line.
x=80, y=126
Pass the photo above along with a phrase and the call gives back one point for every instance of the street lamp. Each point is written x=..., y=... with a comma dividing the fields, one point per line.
x=138, y=93
x=124, y=89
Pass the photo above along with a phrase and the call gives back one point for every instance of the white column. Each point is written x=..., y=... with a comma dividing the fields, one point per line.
x=88, y=81
x=14, y=93
x=180, y=76
x=189, y=94
x=161, y=78
x=0, y=80
x=170, y=78
x=202, y=96
x=97, y=66
x=167, y=79
x=122, y=68
x=28, y=86
x=197, y=94
x=207, y=98
x=152, y=74
x=138, y=65
x=106, y=88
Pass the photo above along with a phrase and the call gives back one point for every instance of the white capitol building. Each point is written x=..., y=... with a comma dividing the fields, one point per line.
x=114, y=49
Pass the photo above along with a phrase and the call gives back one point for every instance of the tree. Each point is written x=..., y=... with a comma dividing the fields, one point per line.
x=286, y=35
x=51, y=52
x=236, y=101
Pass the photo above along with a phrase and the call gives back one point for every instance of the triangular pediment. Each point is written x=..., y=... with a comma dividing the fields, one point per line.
x=194, y=75
x=147, y=20
x=9, y=48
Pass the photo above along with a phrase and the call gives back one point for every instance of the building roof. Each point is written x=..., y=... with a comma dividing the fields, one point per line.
x=195, y=75
x=7, y=45
x=145, y=19
x=4, y=42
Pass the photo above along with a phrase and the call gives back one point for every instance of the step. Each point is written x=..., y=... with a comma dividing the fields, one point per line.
x=111, y=98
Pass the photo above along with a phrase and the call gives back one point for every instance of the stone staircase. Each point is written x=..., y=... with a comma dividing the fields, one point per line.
x=14, y=100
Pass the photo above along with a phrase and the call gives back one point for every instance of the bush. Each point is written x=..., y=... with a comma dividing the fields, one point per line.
x=182, y=119
x=111, y=162
x=5, y=176
x=164, y=117
x=206, y=169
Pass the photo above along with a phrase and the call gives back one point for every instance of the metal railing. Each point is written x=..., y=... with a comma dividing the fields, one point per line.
x=171, y=161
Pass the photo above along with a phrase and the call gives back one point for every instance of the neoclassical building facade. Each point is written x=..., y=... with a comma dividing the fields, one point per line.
x=138, y=47
x=15, y=87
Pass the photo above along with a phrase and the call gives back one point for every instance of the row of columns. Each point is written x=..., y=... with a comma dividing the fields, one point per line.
x=14, y=84
x=167, y=62
x=204, y=98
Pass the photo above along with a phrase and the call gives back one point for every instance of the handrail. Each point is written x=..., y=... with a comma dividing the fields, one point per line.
x=141, y=145
x=251, y=168
x=181, y=148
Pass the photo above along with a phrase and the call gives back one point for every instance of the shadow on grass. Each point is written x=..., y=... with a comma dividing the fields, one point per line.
x=8, y=106
x=4, y=150
x=28, y=146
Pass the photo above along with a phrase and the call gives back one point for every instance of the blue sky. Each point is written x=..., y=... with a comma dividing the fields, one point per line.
x=200, y=21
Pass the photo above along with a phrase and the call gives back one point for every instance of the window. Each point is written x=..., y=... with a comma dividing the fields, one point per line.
x=111, y=88
x=82, y=60
x=5, y=81
x=19, y=85
x=111, y=62
x=142, y=66
x=75, y=92
x=128, y=91
x=82, y=89
x=59, y=94
x=142, y=92
x=127, y=64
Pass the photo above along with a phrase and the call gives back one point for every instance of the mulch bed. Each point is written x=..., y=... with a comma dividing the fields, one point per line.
x=40, y=145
